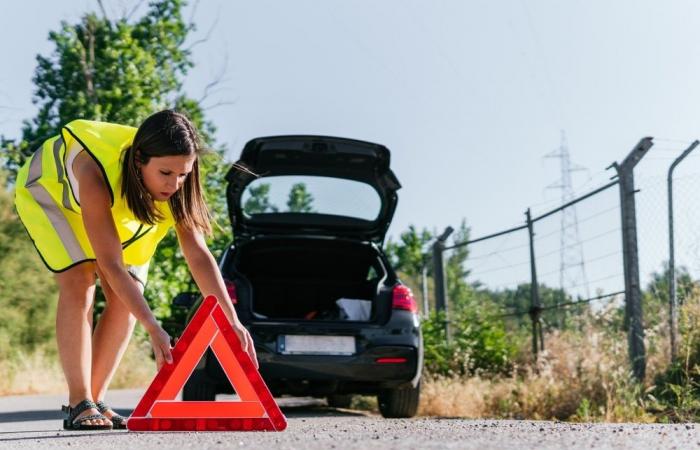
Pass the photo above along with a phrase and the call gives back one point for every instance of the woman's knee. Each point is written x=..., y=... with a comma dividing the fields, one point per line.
x=77, y=283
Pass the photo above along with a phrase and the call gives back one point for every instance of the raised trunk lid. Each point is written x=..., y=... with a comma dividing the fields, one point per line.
x=312, y=156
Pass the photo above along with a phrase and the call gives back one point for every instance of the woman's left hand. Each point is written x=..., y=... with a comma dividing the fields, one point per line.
x=246, y=341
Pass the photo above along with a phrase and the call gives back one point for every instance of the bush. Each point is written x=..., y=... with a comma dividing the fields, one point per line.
x=28, y=293
x=475, y=346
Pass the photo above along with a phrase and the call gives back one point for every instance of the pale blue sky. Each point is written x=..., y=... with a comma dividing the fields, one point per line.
x=469, y=96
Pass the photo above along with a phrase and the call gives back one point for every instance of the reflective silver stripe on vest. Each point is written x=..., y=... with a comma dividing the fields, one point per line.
x=54, y=214
x=61, y=178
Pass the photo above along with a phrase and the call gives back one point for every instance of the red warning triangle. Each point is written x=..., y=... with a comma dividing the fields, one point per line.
x=159, y=410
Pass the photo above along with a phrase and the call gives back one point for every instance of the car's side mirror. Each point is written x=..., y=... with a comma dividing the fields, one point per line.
x=185, y=299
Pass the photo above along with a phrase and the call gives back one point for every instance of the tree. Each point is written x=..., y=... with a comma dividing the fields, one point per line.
x=259, y=200
x=27, y=290
x=300, y=199
x=114, y=71
x=479, y=343
x=656, y=295
x=122, y=71
x=411, y=253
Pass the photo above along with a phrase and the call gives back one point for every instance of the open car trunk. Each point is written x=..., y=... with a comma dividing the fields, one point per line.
x=312, y=280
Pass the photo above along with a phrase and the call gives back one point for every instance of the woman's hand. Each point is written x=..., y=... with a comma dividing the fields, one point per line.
x=161, y=346
x=246, y=341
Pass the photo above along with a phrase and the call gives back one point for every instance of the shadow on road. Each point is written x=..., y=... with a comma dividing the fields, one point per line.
x=302, y=411
x=292, y=410
x=44, y=414
x=320, y=411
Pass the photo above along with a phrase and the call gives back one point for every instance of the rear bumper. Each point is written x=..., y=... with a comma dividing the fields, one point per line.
x=323, y=374
x=361, y=367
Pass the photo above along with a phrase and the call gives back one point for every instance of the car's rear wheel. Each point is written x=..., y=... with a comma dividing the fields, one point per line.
x=399, y=403
x=198, y=388
x=339, y=400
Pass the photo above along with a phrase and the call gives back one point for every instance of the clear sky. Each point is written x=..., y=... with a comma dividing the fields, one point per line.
x=468, y=95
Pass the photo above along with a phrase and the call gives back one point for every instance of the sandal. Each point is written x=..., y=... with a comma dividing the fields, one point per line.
x=118, y=421
x=73, y=423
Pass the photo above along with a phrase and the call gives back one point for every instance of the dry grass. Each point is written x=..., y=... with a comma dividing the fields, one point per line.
x=39, y=372
x=582, y=376
x=137, y=367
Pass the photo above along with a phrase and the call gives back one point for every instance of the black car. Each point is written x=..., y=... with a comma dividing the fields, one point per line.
x=309, y=279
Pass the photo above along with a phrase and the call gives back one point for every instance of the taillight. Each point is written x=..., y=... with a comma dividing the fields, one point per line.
x=231, y=289
x=403, y=299
x=390, y=360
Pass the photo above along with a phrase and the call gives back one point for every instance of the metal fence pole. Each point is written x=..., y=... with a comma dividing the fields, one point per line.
x=633, y=293
x=424, y=288
x=535, y=305
x=440, y=279
x=672, y=293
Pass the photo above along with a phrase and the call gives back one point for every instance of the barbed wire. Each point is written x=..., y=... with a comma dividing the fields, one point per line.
x=597, y=280
x=576, y=244
x=584, y=220
x=535, y=309
x=505, y=250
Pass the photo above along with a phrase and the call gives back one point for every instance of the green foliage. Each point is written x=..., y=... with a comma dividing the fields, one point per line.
x=677, y=388
x=655, y=296
x=475, y=346
x=122, y=71
x=259, y=200
x=115, y=71
x=300, y=199
x=519, y=299
x=410, y=254
x=28, y=293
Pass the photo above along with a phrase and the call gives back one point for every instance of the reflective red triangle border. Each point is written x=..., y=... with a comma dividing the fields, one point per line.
x=162, y=391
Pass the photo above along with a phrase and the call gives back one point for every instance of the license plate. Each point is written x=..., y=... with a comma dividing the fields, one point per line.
x=295, y=344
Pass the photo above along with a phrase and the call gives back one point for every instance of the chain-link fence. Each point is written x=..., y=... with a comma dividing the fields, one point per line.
x=605, y=245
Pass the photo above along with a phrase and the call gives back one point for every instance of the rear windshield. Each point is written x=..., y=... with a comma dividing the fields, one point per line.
x=311, y=195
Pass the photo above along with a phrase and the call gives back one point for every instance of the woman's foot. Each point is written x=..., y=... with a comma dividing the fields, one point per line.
x=118, y=421
x=93, y=412
x=85, y=416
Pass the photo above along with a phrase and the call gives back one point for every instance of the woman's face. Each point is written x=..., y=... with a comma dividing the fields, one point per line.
x=164, y=175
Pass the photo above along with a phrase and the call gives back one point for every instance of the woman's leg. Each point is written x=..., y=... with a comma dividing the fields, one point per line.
x=73, y=332
x=111, y=337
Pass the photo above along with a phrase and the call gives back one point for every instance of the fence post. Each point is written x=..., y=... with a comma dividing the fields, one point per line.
x=440, y=279
x=535, y=305
x=633, y=293
x=424, y=288
x=672, y=293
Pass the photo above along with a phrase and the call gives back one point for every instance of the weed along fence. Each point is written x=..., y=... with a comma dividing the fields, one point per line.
x=582, y=255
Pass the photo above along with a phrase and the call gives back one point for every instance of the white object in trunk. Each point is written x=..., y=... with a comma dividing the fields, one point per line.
x=354, y=308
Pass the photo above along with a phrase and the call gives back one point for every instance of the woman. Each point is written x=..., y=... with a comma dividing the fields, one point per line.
x=96, y=200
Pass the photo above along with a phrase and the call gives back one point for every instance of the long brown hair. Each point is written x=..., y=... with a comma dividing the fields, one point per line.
x=165, y=133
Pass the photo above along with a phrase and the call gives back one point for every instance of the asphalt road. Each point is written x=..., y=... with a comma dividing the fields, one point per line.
x=35, y=422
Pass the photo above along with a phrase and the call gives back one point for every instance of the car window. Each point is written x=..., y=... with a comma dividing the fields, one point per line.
x=311, y=195
x=372, y=273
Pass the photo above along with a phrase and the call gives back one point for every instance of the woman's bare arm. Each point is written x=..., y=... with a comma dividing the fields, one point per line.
x=103, y=236
x=210, y=282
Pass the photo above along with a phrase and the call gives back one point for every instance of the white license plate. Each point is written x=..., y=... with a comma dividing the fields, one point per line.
x=295, y=344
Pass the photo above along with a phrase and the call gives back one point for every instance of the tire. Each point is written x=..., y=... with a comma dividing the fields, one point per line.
x=399, y=403
x=197, y=388
x=339, y=400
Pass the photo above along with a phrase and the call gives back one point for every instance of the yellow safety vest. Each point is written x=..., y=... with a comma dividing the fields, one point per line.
x=50, y=212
